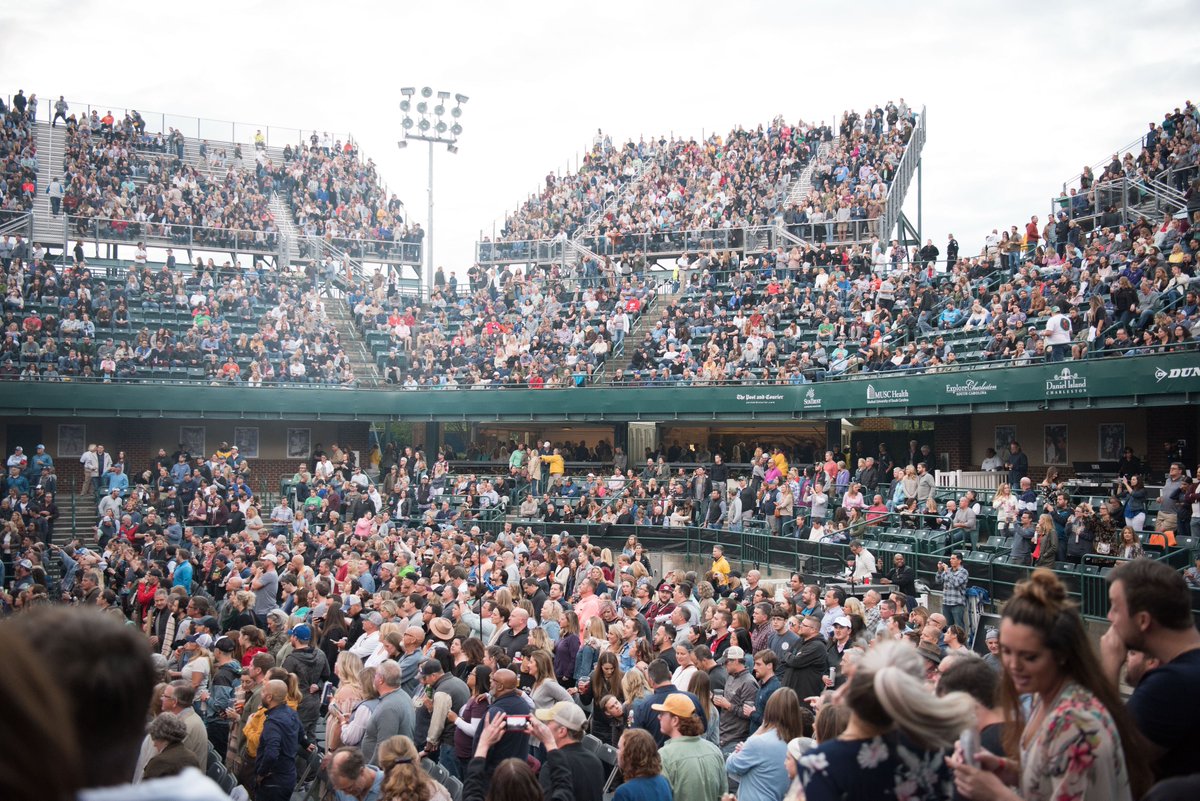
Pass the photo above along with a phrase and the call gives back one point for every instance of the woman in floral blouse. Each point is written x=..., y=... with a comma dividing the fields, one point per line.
x=1078, y=743
x=899, y=734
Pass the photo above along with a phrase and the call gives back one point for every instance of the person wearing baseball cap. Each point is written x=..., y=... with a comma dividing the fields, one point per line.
x=737, y=702
x=992, y=657
x=24, y=576
x=444, y=693
x=564, y=732
x=694, y=767
x=225, y=679
x=312, y=671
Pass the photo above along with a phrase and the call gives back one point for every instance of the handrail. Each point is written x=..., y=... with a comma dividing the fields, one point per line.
x=211, y=129
x=173, y=234
x=16, y=222
x=1099, y=166
x=898, y=187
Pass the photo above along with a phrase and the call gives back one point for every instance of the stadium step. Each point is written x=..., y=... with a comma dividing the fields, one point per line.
x=359, y=353
x=803, y=185
x=51, y=145
x=288, y=231
x=634, y=338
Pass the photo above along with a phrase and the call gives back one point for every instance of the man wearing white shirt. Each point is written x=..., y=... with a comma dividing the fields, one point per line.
x=1058, y=335
x=864, y=562
x=366, y=645
x=991, y=462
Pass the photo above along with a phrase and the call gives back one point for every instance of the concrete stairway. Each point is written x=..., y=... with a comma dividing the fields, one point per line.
x=361, y=359
x=645, y=322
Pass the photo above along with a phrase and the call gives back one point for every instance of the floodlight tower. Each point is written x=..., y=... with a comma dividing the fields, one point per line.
x=430, y=126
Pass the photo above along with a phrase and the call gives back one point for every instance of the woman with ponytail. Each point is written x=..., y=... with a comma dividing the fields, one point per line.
x=898, y=738
x=1078, y=742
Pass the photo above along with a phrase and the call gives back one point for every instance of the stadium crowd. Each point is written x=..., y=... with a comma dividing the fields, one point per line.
x=525, y=329
x=337, y=196
x=112, y=178
x=1168, y=155
x=432, y=659
x=850, y=181
x=664, y=185
x=218, y=324
x=18, y=154
x=819, y=310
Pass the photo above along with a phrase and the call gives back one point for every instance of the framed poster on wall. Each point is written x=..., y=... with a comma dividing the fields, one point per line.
x=1111, y=442
x=1004, y=435
x=299, y=443
x=192, y=440
x=246, y=440
x=1055, y=445
x=72, y=440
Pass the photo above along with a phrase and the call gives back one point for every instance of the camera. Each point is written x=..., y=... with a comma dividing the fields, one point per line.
x=518, y=723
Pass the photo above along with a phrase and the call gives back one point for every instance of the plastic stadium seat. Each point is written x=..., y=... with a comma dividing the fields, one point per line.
x=1004, y=572
x=1068, y=574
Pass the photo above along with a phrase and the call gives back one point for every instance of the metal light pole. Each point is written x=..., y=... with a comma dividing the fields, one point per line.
x=429, y=126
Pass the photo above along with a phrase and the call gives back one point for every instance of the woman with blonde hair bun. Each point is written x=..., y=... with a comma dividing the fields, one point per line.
x=405, y=779
x=898, y=738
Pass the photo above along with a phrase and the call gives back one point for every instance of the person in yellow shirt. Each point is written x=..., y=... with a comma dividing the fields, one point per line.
x=556, y=463
x=780, y=461
x=720, y=565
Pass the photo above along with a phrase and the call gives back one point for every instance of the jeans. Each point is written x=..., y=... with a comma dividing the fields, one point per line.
x=956, y=615
x=449, y=760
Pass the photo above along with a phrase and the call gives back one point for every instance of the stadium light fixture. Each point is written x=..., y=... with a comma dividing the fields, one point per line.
x=427, y=124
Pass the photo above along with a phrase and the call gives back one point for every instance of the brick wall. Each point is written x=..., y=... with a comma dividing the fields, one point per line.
x=952, y=436
x=1169, y=425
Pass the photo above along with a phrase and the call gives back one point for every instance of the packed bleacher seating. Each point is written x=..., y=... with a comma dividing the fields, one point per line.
x=817, y=311
x=663, y=187
x=336, y=195
x=723, y=183
x=113, y=180
x=850, y=182
x=567, y=202
x=18, y=154
x=513, y=329
x=213, y=324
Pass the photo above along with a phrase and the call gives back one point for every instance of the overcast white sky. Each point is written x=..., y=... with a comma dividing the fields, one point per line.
x=1020, y=94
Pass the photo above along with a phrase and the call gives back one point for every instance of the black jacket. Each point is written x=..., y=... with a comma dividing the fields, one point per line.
x=587, y=773
x=806, y=667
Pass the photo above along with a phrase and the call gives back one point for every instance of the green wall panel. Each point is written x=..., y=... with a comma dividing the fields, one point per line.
x=1168, y=378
